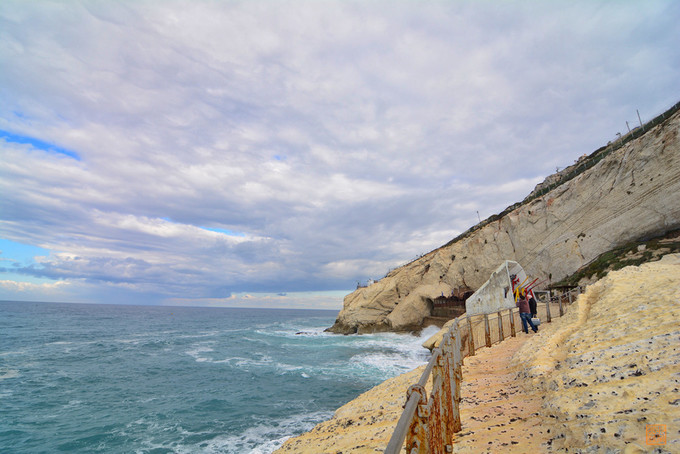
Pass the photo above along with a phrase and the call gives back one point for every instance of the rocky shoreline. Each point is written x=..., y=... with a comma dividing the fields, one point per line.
x=591, y=381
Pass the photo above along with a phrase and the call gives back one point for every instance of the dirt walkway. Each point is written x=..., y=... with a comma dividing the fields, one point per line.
x=497, y=414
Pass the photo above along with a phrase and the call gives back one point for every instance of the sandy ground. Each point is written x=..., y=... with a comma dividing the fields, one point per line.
x=499, y=413
x=592, y=381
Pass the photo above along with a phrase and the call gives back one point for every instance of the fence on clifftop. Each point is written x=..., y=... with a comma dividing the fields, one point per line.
x=429, y=422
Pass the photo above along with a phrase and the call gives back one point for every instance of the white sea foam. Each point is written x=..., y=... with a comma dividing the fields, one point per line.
x=206, y=334
x=72, y=404
x=283, y=368
x=381, y=355
x=197, y=354
x=293, y=330
x=259, y=360
x=16, y=352
x=391, y=354
x=384, y=364
x=256, y=341
x=269, y=446
x=8, y=373
x=241, y=362
x=259, y=439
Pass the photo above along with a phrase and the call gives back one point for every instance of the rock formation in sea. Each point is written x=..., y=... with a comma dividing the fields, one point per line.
x=623, y=192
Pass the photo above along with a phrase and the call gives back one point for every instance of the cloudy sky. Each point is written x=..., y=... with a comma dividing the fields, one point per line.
x=275, y=153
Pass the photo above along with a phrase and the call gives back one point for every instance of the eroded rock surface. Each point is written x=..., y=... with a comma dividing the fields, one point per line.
x=630, y=194
x=611, y=367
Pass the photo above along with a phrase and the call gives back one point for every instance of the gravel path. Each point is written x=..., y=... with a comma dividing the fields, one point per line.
x=498, y=413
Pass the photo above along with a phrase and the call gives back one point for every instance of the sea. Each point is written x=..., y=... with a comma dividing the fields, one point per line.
x=88, y=378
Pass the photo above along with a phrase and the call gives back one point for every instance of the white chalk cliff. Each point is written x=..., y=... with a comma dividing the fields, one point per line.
x=628, y=192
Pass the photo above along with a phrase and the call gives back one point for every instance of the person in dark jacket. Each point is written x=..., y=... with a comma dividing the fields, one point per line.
x=525, y=313
x=532, y=303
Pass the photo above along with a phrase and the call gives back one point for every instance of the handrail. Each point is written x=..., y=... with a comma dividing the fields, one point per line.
x=397, y=440
x=415, y=394
x=428, y=423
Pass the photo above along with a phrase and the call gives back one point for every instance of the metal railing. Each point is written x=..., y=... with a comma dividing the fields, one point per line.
x=429, y=421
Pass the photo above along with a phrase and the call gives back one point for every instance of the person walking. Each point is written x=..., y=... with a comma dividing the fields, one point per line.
x=525, y=313
x=532, y=303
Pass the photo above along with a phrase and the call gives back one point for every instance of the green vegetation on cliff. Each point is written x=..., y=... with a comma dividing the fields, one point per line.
x=634, y=253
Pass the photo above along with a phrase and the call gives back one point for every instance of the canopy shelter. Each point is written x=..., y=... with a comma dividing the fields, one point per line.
x=499, y=291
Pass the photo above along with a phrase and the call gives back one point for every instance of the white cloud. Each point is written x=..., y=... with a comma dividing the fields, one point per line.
x=337, y=138
x=330, y=300
x=21, y=290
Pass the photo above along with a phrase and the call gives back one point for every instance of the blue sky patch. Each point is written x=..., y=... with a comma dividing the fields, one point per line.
x=225, y=231
x=13, y=252
x=15, y=257
x=38, y=144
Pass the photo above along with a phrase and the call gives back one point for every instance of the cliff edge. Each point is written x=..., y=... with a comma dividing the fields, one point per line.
x=623, y=192
x=594, y=380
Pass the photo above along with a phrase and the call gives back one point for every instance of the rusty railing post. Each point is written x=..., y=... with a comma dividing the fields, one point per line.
x=438, y=402
x=416, y=437
x=457, y=380
x=501, y=338
x=561, y=308
x=471, y=337
x=547, y=309
x=448, y=405
x=512, y=323
x=487, y=330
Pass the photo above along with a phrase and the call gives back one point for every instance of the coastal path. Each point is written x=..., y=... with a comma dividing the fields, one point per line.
x=432, y=418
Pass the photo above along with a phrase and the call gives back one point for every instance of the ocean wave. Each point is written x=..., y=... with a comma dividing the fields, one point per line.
x=260, y=439
x=138, y=386
x=295, y=332
x=9, y=373
x=386, y=364
x=198, y=350
x=14, y=352
x=257, y=361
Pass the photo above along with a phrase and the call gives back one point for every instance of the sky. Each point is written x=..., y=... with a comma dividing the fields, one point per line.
x=276, y=153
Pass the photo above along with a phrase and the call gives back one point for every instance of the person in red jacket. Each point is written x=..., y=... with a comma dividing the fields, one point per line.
x=525, y=313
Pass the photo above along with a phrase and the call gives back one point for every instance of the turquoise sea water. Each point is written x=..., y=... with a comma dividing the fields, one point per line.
x=147, y=379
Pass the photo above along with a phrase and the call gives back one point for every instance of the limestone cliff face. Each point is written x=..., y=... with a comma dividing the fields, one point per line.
x=633, y=192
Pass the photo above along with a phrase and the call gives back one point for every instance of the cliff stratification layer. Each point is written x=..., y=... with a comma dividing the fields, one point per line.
x=629, y=194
